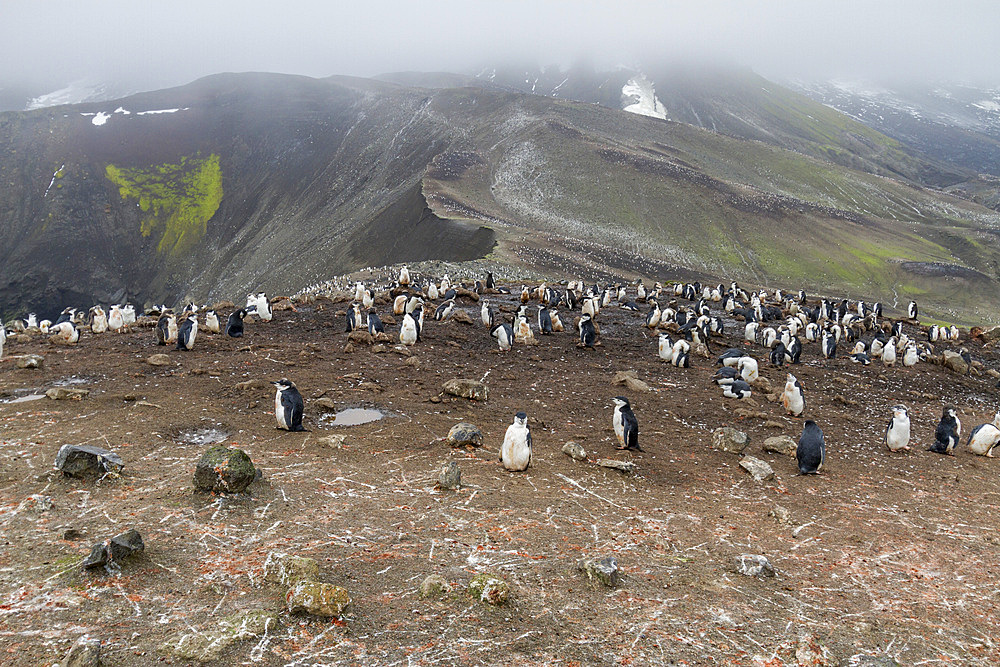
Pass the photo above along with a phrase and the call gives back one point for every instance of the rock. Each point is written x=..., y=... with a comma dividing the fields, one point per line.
x=626, y=467
x=209, y=645
x=349, y=348
x=780, y=444
x=86, y=652
x=462, y=317
x=728, y=439
x=288, y=569
x=87, y=461
x=35, y=504
x=843, y=400
x=413, y=362
x=158, y=360
x=313, y=597
x=115, y=550
x=630, y=380
x=337, y=441
x=762, y=384
x=754, y=566
x=361, y=337
x=954, y=362
x=489, y=588
x=379, y=348
x=773, y=424
x=780, y=513
x=993, y=373
x=71, y=534
x=402, y=350
x=603, y=570
x=747, y=413
x=324, y=403
x=66, y=393
x=464, y=433
x=991, y=335
x=224, y=470
x=575, y=450
x=812, y=653
x=466, y=388
x=29, y=361
x=450, y=476
x=461, y=292
x=434, y=586
x=758, y=469
x=250, y=385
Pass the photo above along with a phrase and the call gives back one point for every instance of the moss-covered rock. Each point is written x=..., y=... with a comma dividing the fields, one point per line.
x=313, y=597
x=489, y=588
x=434, y=586
x=288, y=570
x=224, y=470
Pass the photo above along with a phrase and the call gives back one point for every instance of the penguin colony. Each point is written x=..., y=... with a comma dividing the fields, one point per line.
x=775, y=322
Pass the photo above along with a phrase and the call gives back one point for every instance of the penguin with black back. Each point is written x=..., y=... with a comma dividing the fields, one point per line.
x=625, y=424
x=811, y=451
x=288, y=405
x=948, y=432
x=187, y=332
x=375, y=325
x=544, y=320
x=588, y=334
x=234, y=325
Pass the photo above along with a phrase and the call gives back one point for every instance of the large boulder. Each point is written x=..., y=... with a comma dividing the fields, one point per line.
x=954, y=362
x=29, y=361
x=87, y=461
x=474, y=390
x=318, y=599
x=463, y=434
x=728, y=439
x=224, y=470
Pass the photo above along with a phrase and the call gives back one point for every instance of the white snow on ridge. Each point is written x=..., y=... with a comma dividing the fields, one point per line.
x=987, y=105
x=156, y=111
x=101, y=118
x=639, y=96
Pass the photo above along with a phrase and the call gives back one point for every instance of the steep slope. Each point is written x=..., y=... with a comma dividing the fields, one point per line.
x=250, y=181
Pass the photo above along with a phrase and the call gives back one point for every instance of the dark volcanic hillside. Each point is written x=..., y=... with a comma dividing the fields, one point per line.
x=254, y=181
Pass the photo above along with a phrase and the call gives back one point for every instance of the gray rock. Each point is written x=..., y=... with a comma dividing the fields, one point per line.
x=630, y=380
x=473, y=390
x=780, y=444
x=87, y=461
x=337, y=440
x=754, y=566
x=626, y=467
x=758, y=469
x=208, y=645
x=164, y=360
x=325, y=403
x=489, y=588
x=954, y=362
x=780, y=513
x=35, y=504
x=224, y=470
x=728, y=439
x=318, y=599
x=603, y=570
x=115, y=550
x=288, y=569
x=464, y=433
x=86, y=652
x=991, y=335
x=434, y=586
x=450, y=476
x=66, y=393
x=29, y=361
x=575, y=450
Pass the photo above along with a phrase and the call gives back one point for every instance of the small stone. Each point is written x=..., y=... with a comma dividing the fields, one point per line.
x=463, y=434
x=762, y=384
x=361, y=337
x=489, y=588
x=450, y=476
x=29, y=361
x=129, y=398
x=86, y=652
x=728, y=439
x=71, y=534
x=758, y=469
x=747, y=413
x=466, y=388
x=603, y=570
x=313, y=597
x=413, y=362
x=249, y=384
x=843, y=400
x=627, y=467
x=575, y=451
x=158, y=360
x=349, y=348
x=780, y=444
x=337, y=441
x=288, y=569
x=224, y=470
x=773, y=424
x=87, y=461
x=434, y=399
x=780, y=513
x=115, y=550
x=324, y=403
x=754, y=566
x=35, y=504
x=379, y=348
x=434, y=586
x=67, y=393
x=402, y=350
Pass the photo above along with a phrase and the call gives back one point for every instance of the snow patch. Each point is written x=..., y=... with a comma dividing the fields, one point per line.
x=639, y=96
x=156, y=111
x=122, y=111
x=987, y=105
x=100, y=118
x=55, y=175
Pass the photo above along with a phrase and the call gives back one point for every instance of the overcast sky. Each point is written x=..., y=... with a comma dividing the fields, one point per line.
x=154, y=43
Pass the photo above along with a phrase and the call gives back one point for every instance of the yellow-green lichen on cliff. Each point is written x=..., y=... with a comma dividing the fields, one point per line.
x=178, y=200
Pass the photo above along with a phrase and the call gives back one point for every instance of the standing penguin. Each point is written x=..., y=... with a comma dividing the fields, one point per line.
x=375, y=325
x=544, y=320
x=444, y=311
x=404, y=276
x=811, y=452
x=588, y=334
x=557, y=325
x=626, y=426
x=948, y=432
x=399, y=305
x=166, y=329
x=897, y=433
x=792, y=398
x=264, y=308
x=889, y=352
x=288, y=405
x=515, y=453
x=829, y=345
x=985, y=437
x=504, y=333
x=409, y=331
x=98, y=320
x=234, y=325
x=212, y=321
x=187, y=331
x=491, y=284
x=911, y=310
x=484, y=313
x=116, y=321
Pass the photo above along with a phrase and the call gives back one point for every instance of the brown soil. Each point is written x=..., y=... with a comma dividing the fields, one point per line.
x=888, y=554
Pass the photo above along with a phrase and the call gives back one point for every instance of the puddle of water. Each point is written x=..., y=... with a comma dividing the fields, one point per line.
x=351, y=417
x=202, y=436
x=71, y=380
x=23, y=399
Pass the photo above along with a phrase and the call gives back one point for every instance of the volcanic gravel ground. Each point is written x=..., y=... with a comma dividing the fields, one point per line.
x=883, y=554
